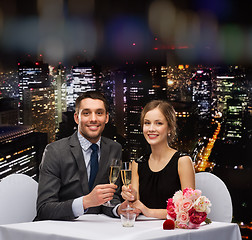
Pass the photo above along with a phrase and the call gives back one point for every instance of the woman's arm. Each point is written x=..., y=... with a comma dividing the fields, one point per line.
x=187, y=179
x=148, y=212
x=186, y=172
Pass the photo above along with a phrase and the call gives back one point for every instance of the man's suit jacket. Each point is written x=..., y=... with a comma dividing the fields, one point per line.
x=63, y=177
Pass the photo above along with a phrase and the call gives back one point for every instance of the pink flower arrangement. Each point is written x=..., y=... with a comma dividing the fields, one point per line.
x=188, y=209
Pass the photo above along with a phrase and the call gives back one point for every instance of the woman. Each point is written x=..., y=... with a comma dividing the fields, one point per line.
x=166, y=171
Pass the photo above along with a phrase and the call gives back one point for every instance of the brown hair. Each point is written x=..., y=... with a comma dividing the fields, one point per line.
x=93, y=95
x=169, y=113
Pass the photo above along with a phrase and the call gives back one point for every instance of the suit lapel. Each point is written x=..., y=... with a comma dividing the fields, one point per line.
x=78, y=155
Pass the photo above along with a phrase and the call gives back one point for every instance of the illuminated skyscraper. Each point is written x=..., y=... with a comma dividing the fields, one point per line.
x=21, y=150
x=232, y=101
x=202, y=92
x=159, y=82
x=137, y=81
x=85, y=77
x=108, y=87
x=59, y=84
x=40, y=110
x=9, y=84
x=179, y=83
x=31, y=75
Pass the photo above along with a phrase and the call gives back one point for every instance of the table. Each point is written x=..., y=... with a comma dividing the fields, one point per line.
x=103, y=227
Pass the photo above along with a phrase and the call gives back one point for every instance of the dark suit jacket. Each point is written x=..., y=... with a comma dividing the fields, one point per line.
x=63, y=177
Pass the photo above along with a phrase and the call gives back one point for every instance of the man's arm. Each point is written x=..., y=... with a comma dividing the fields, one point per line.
x=48, y=204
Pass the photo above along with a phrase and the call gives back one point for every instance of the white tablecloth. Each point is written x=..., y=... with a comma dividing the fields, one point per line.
x=102, y=227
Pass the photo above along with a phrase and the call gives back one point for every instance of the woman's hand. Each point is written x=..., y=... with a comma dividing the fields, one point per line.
x=148, y=212
x=128, y=193
x=123, y=206
x=144, y=210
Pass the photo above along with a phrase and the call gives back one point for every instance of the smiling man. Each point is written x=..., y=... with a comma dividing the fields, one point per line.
x=74, y=171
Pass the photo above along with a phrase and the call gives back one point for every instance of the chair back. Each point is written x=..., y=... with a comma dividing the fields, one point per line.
x=18, y=196
x=216, y=191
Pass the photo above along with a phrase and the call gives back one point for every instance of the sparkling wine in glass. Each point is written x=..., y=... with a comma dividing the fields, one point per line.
x=126, y=178
x=115, y=167
x=114, y=173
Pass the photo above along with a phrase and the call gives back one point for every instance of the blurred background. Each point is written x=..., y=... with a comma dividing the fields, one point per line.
x=210, y=31
x=195, y=54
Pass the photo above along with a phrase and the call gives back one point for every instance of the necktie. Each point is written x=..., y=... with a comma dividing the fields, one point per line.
x=94, y=165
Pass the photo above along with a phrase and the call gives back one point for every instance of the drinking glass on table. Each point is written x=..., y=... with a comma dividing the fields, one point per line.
x=126, y=179
x=115, y=167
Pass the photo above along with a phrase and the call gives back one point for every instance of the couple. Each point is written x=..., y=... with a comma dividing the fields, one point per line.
x=74, y=171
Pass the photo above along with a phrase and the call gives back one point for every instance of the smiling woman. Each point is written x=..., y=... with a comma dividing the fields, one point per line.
x=165, y=112
x=165, y=165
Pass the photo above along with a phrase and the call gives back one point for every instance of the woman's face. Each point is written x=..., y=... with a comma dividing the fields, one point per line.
x=155, y=127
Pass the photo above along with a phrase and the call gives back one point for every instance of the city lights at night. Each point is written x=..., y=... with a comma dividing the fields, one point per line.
x=195, y=55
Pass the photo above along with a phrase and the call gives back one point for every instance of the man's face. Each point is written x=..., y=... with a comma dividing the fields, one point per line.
x=91, y=118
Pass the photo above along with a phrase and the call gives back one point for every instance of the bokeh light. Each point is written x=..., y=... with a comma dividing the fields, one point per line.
x=20, y=35
x=231, y=43
x=162, y=19
x=62, y=37
x=127, y=36
x=62, y=29
x=199, y=32
x=81, y=7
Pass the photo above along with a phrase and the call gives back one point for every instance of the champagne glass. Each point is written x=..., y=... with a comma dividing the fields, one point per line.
x=115, y=167
x=126, y=178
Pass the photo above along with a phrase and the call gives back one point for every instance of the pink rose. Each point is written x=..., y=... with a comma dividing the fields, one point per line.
x=191, y=193
x=197, y=217
x=186, y=205
x=197, y=194
x=187, y=192
x=202, y=204
x=192, y=225
x=171, y=208
x=178, y=196
x=183, y=217
x=180, y=225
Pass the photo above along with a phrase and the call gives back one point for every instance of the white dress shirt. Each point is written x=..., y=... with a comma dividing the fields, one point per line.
x=77, y=205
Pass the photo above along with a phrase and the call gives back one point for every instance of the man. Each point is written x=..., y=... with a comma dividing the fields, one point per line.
x=73, y=175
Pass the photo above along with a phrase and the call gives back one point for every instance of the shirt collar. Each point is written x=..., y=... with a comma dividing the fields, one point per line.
x=85, y=144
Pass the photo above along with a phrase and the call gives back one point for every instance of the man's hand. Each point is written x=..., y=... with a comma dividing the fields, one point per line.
x=99, y=195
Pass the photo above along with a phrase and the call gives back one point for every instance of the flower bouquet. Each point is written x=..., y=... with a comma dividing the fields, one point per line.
x=187, y=209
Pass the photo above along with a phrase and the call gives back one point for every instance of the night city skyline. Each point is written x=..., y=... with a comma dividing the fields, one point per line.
x=196, y=55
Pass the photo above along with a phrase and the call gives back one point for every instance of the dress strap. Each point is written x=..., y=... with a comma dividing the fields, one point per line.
x=182, y=154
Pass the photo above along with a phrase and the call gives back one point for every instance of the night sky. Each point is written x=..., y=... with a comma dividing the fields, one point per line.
x=109, y=30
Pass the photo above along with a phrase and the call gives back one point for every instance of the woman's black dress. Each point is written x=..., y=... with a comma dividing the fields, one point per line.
x=156, y=187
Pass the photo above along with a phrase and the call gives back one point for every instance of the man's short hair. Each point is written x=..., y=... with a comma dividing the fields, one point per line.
x=93, y=95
